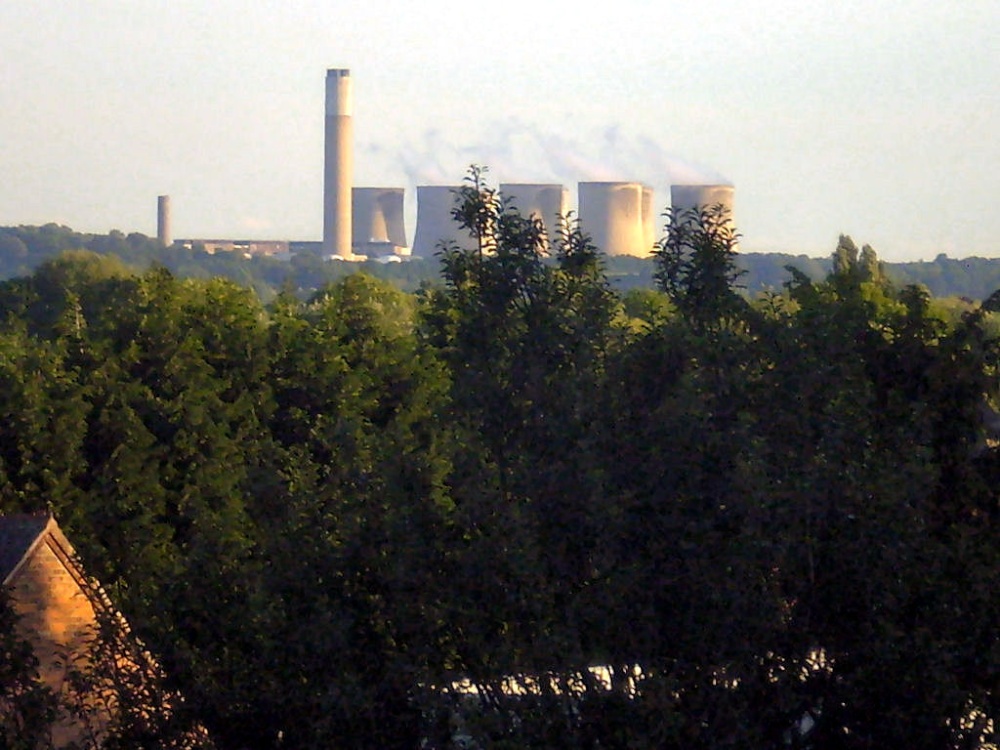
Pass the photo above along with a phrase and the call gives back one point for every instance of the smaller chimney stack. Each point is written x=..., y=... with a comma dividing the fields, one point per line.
x=163, y=229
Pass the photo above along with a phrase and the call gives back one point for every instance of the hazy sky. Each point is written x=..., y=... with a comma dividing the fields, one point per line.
x=879, y=118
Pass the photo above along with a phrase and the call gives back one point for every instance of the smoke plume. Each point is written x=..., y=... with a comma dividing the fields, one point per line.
x=516, y=151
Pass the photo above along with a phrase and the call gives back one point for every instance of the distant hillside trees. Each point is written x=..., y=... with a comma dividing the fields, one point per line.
x=24, y=248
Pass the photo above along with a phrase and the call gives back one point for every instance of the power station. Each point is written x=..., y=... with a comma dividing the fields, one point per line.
x=362, y=222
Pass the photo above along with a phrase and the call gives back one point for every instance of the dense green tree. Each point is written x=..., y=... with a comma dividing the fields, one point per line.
x=362, y=511
x=526, y=339
x=878, y=432
x=678, y=519
x=117, y=693
x=788, y=538
x=41, y=425
x=696, y=265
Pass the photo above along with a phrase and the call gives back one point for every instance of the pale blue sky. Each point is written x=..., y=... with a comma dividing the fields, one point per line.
x=880, y=118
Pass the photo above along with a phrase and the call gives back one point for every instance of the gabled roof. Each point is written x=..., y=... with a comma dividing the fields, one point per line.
x=23, y=533
x=20, y=533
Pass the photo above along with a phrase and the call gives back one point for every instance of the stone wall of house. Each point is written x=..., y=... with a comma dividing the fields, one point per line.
x=53, y=605
x=57, y=618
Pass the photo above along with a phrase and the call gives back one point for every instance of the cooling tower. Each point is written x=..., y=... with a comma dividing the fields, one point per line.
x=377, y=219
x=164, y=232
x=338, y=164
x=648, y=220
x=611, y=213
x=700, y=197
x=547, y=202
x=435, y=223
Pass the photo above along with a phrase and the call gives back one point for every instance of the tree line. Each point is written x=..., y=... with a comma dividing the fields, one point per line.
x=24, y=248
x=523, y=509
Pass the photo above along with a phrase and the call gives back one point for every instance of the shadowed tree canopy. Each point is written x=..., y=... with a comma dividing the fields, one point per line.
x=519, y=509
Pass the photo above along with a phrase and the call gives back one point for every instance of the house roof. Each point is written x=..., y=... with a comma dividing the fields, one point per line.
x=19, y=535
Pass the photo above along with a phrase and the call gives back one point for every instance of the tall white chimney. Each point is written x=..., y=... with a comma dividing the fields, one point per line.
x=338, y=164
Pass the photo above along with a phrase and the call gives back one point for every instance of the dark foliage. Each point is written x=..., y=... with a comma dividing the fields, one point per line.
x=518, y=509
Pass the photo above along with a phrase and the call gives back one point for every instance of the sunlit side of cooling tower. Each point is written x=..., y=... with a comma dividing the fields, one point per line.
x=649, y=229
x=612, y=214
x=547, y=202
x=700, y=197
x=338, y=164
x=377, y=223
x=435, y=223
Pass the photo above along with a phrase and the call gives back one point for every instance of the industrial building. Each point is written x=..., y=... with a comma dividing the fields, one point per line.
x=377, y=221
x=549, y=203
x=435, y=225
x=617, y=216
x=693, y=199
x=698, y=197
x=247, y=248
